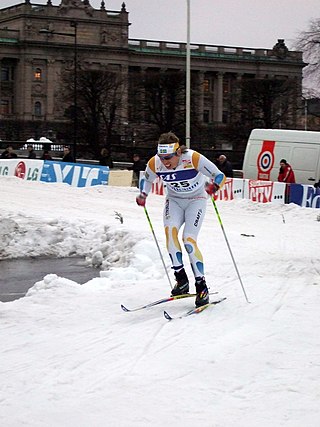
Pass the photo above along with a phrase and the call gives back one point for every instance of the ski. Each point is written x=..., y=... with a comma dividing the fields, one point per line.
x=160, y=301
x=195, y=310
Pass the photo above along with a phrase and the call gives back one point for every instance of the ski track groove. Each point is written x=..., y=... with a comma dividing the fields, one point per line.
x=146, y=347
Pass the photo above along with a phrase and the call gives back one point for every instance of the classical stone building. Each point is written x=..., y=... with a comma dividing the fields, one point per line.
x=40, y=43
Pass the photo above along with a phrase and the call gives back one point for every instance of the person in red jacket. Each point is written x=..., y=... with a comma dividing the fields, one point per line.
x=286, y=173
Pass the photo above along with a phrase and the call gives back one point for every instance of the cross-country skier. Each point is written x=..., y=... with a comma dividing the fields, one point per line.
x=184, y=173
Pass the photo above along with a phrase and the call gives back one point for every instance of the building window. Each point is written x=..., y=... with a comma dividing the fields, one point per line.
x=206, y=116
x=5, y=107
x=226, y=87
x=37, y=109
x=5, y=73
x=206, y=85
x=37, y=74
x=225, y=117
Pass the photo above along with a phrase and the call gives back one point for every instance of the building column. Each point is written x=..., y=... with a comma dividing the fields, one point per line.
x=12, y=107
x=23, y=89
x=218, y=98
x=236, y=99
x=18, y=89
x=143, y=71
x=51, y=82
x=124, y=96
x=200, y=96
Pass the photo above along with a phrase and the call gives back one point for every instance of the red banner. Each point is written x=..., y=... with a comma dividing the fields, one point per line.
x=260, y=191
x=226, y=192
x=265, y=160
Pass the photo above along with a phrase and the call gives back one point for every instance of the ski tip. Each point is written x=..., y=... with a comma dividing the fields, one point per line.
x=167, y=315
x=217, y=301
x=124, y=308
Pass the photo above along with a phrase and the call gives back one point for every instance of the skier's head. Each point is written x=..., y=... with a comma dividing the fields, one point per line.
x=169, y=150
x=168, y=144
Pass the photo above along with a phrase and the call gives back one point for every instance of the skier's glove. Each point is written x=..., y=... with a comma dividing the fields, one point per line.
x=211, y=188
x=141, y=199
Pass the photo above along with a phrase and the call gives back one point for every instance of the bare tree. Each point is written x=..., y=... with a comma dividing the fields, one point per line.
x=158, y=99
x=260, y=103
x=165, y=95
x=99, y=96
x=309, y=43
x=267, y=103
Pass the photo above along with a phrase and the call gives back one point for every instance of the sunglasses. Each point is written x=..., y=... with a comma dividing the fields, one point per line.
x=167, y=157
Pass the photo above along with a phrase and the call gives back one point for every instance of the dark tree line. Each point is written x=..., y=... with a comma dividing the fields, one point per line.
x=154, y=101
x=99, y=96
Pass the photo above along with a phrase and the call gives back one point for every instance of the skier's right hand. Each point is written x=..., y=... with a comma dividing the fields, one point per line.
x=141, y=199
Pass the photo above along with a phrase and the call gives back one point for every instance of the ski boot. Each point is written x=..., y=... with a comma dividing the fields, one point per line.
x=202, y=297
x=182, y=283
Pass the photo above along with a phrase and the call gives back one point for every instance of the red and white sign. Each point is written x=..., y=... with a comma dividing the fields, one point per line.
x=232, y=189
x=264, y=191
x=260, y=191
x=265, y=160
x=20, y=170
x=157, y=187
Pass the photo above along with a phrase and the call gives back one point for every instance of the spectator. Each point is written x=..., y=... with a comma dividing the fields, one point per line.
x=105, y=158
x=225, y=166
x=9, y=153
x=32, y=153
x=67, y=156
x=286, y=173
x=138, y=165
x=46, y=155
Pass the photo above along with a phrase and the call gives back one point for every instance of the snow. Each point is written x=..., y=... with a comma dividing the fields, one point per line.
x=71, y=357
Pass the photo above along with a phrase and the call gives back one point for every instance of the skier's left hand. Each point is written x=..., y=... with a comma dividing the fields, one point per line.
x=211, y=188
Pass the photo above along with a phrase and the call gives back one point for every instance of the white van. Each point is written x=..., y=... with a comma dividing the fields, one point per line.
x=266, y=147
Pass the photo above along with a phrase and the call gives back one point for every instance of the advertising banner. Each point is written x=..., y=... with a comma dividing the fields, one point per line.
x=157, y=185
x=30, y=170
x=264, y=191
x=76, y=175
x=304, y=195
x=85, y=175
x=232, y=189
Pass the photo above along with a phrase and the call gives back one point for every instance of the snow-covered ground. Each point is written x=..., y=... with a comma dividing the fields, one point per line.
x=70, y=357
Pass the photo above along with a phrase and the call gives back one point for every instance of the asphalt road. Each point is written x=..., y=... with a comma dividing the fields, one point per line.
x=17, y=276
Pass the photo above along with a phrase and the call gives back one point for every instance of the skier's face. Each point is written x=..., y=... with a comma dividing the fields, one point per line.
x=170, y=161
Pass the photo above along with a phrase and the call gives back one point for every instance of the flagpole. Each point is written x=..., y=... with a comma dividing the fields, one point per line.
x=188, y=78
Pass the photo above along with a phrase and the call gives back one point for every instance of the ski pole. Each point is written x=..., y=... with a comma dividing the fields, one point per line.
x=225, y=236
x=155, y=238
